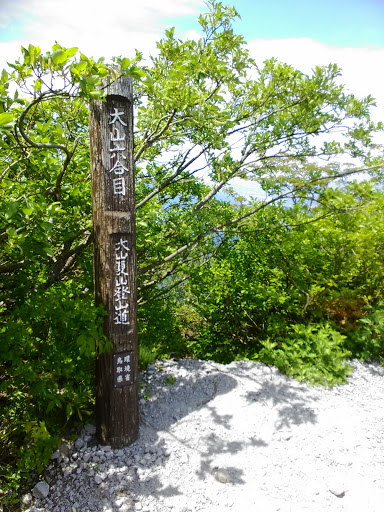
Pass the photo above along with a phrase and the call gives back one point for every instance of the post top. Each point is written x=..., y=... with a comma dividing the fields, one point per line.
x=123, y=88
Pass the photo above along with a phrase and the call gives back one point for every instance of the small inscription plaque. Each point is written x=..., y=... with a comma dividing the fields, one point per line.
x=122, y=369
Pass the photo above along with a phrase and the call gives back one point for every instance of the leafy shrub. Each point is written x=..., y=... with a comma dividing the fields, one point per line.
x=47, y=354
x=158, y=331
x=366, y=341
x=313, y=353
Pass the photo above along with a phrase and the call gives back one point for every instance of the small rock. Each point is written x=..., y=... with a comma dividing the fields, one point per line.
x=56, y=455
x=90, y=429
x=27, y=498
x=79, y=443
x=86, y=457
x=64, y=450
x=41, y=490
x=338, y=491
x=184, y=458
x=222, y=476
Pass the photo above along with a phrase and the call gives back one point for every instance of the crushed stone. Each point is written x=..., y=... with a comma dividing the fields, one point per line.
x=239, y=437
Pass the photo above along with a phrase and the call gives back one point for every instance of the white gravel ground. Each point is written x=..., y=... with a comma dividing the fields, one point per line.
x=240, y=437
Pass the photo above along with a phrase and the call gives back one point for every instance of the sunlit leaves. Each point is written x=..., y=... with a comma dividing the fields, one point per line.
x=205, y=113
x=6, y=120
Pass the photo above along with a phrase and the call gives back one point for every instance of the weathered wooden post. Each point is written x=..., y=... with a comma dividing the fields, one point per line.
x=113, y=200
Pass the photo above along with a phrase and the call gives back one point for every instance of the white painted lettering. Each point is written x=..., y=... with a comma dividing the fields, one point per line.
x=116, y=116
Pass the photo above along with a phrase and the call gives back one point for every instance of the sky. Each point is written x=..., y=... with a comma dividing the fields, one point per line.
x=303, y=33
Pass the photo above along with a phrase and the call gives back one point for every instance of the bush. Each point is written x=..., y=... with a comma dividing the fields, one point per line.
x=366, y=341
x=47, y=355
x=314, y=353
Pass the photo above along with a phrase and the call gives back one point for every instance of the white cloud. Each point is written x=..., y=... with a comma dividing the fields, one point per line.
x=248, y=189
x=97, y=28
x=362, y=69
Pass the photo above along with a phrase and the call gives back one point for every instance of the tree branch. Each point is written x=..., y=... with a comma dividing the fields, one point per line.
x=38, y=145
x=220, y=185
x=65, y=258
x=149, y=141
x=171, y=178
x=173, y=255
x=8, y=268
x=281, y=226
x=12, y=165
x=60, y=177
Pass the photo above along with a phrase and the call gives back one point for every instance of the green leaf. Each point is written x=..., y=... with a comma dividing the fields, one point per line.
x=27, y=211
x=38, y=84
x=136, y=72
x=69, y=411
x=11, y=232
x=48, y=250
x=59, y=57
x=51, y=405
x=6, y=120
x=80, y=66
x=70, y=52
x=11, y=209
x=93, y=80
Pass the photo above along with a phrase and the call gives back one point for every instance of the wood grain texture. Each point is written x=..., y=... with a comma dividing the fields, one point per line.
x=113, y=203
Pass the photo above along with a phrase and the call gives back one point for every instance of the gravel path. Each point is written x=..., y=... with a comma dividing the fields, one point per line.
x=239, y=437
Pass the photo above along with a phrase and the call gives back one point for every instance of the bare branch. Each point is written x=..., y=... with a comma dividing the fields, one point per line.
x=44, y=96
x=13, y=165
x=65, y=259
x=152, y=138
x=167, y=290
x=220, y=185
x=294, y=191
x=173, y=255
x=280, y=226
x=60, y=177
x=171, y=178
x=8, y=268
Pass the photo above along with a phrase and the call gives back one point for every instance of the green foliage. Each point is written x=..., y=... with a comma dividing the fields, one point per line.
x=261, y=279
x=216, y=277
x=170, y=380
x=47, y=358
x=158, y=332
x=313, y=353
x=367, y=339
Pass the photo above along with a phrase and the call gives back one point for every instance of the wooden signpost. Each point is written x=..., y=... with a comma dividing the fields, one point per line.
x=113, y=202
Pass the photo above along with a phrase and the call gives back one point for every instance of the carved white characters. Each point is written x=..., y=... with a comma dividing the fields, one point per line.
x=121, y=289
x=122, y=368
x=117, y=152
